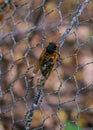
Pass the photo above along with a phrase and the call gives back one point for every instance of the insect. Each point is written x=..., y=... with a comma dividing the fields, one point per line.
x=45, y=64
x=47, y=60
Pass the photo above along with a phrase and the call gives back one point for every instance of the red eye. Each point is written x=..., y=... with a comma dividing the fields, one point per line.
x=57, y=46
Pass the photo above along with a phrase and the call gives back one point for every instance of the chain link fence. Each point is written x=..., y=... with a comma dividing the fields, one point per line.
x=26, y=28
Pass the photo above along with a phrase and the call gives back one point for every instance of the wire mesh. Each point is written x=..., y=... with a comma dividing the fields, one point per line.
x=26, y=28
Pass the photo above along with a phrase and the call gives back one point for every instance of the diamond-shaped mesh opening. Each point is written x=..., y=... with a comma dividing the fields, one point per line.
x=65, y=99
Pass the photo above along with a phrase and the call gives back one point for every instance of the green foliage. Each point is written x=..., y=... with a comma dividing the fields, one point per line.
x=70, y=126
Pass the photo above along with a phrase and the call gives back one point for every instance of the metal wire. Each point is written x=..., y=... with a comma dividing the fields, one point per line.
x=26, y=28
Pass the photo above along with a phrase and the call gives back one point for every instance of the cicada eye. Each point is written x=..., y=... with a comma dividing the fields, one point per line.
x=57, y=46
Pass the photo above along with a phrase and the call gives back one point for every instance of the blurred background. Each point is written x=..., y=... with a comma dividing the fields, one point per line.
x=26, y=27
